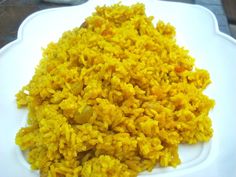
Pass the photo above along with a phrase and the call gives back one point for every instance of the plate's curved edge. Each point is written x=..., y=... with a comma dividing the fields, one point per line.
x=217, y=30
x=19, y=36
x=211, y=14
x=30, y=17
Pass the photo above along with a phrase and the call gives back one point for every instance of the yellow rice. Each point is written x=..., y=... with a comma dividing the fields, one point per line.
x=113, y=97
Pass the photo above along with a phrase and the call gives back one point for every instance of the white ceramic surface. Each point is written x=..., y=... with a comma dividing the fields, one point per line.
x=197, y=30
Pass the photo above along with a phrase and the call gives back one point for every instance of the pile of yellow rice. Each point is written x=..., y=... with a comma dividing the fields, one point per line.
x=113, y=97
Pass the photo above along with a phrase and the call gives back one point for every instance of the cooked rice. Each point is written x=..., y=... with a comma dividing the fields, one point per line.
x=113, y=97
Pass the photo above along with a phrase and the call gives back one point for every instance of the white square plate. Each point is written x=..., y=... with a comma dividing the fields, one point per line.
x=197, y=30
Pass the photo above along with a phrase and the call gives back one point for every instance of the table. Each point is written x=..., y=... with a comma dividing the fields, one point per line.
x=13, y=12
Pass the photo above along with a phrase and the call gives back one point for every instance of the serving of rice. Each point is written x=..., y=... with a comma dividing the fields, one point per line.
x=113, y=97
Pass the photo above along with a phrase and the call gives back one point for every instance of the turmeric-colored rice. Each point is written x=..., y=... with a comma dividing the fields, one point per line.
x=113, y=97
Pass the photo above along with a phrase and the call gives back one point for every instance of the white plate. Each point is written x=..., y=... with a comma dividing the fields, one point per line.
x=197, y=30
